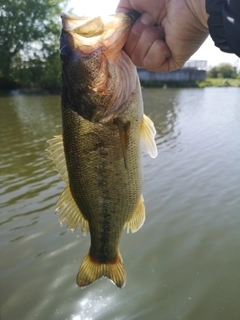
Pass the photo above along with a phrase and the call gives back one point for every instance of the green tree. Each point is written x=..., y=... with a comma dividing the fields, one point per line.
x=29, y=32
x=213, y=72
x=227, y=71
x=224, y=70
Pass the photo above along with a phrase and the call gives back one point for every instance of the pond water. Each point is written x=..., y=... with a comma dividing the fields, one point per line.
x=184, y=263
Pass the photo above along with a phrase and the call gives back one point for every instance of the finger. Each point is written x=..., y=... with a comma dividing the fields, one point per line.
x=147, y=39
x=157, y=57
x=152, y=6
x=135, y=34
x=123, y=10
x=126, y=6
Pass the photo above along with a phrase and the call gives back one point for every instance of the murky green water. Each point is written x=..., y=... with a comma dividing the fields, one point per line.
x=185, y=261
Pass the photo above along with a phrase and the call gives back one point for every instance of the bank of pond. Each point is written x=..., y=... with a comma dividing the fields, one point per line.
x=209, y=82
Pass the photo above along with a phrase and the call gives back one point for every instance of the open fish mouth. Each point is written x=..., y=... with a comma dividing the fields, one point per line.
x=89, y=26
x=103, y=30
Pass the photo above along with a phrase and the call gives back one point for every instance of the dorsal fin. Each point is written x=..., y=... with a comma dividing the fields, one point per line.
x=70, y=211
x=56, y=154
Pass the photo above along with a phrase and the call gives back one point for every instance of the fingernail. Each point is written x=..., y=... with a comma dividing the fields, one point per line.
x=146, y=18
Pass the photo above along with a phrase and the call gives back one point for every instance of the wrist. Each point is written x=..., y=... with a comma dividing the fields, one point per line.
x=198, y=8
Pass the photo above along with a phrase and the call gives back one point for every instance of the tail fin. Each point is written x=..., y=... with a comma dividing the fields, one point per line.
x=91, y=270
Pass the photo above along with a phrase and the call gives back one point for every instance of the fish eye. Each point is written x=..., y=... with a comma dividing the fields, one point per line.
x=65, y=54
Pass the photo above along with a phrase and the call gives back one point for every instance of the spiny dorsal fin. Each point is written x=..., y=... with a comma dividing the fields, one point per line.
x=70, y=212
x=91, y=270
x=138, y=217
x=56, y=154
x=123, y=129
x=147, y=134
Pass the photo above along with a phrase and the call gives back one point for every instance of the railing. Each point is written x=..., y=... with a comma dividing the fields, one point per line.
x=196, y=64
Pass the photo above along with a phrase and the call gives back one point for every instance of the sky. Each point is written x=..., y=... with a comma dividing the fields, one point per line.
x=208, y=51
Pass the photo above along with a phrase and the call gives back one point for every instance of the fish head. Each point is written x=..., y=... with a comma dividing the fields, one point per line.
x=88, y=46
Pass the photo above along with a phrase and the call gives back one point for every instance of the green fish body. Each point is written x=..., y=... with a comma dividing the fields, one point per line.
x=98, y=154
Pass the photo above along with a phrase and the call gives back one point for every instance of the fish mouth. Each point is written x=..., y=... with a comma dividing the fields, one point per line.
x=91, y=27
x=84, y=26
x=89, y=33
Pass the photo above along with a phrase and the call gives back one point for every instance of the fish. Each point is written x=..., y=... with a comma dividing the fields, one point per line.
x=104, y=129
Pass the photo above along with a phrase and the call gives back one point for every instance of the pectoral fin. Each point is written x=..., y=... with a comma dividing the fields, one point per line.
x=147, y=134
x=123, y=129
x=70, y=211
x=138, y=217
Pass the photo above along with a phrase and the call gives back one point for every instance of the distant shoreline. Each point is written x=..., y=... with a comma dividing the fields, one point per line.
x=209, y=82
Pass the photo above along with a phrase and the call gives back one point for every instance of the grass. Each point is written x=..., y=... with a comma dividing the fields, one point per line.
x=209, y=82
x=219, y=82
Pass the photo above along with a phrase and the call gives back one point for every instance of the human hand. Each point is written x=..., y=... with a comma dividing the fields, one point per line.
x=167, y=33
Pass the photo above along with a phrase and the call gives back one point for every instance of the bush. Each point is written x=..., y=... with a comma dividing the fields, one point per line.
x=224, y=70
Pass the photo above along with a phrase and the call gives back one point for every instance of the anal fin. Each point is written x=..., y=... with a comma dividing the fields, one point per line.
x=138, y=217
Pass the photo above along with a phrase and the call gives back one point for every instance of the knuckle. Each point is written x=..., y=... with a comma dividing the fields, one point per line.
x=136, y=59
x=148, y=64
x=161, y=48
x=153, y=33
x=137, y=29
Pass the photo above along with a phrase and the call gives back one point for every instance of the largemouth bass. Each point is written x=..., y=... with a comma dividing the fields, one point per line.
x=98, y=154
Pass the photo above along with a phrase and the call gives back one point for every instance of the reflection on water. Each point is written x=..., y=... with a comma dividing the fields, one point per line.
x=182, y=264
x=163, y=108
